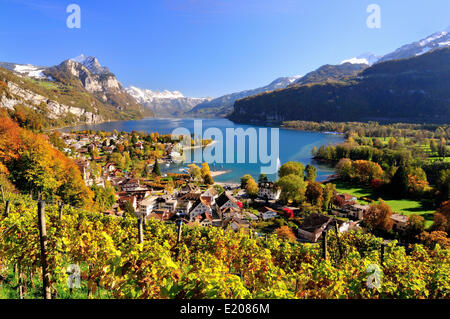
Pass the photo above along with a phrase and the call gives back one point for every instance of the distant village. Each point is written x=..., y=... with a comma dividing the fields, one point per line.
x=180, y=197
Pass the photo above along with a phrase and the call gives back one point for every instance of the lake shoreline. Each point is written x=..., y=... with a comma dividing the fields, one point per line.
x=294, y=145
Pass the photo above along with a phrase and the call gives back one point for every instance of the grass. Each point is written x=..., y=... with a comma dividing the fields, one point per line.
x=403, y=206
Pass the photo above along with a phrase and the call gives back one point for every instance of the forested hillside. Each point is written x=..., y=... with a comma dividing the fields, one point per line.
x=409, y=90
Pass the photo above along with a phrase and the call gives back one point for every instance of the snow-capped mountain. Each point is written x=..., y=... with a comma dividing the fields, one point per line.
x=91, y=63
x=28, y=70
x=437, y=40
x=365, y=58
x=223, y=105
x=165, y=103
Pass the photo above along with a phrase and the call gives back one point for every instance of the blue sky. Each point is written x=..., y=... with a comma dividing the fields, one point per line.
x=211, y=47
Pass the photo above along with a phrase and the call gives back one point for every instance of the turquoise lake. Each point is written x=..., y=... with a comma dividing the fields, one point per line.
x=293, y=146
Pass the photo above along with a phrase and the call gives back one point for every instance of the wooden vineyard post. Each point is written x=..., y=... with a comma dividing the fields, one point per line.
x=140, y=230
x=20, y=281
x=341, y=254
x=180, y=227
x=383, y=246
x=7, y=208
x=43, y=241
x=324, y=245
x=61, y=207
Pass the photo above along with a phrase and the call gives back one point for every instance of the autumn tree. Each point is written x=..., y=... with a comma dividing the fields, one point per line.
x=285, y=232
x=344, y=168
x=195, y=171
x=244, y=180
x=208, y=180
x=36, y=167
x=206, y=174
x=292, y=168
x=416, y=225
x=311, y=173
x=442, y=218
x=378, y=216
x=292, y=188
x=251, y=188
x=314, y=193
x=435, y=237
x=328, y=194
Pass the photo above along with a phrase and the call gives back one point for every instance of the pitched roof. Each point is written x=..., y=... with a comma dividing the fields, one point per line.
x=212, y=191
x=191, y=196
x=223, y=198
x=190, y=187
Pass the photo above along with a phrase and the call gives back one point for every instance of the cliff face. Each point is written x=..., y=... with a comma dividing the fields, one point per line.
x=409, y=90
x=101, y=83
x=54, y=110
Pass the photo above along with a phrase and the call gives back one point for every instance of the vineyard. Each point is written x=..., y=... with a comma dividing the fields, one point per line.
x=206, y=263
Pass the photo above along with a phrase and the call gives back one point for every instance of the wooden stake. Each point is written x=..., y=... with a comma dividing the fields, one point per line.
x=383, y=246
x=180, y=226
x=341, y=254
x=140, y=231
x=20, y=282
x=7, y=208
x=61, y=207
x=43, y=241
x=324, y=245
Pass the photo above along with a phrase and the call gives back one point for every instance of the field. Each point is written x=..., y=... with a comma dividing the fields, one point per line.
x=402, y=206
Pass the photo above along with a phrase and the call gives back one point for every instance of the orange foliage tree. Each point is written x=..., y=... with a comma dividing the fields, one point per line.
x=35, y=166
x=286, y=232
x=379, y=216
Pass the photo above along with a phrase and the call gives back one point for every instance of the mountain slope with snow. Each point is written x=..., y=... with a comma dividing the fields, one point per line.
x=165, y=103
x=365, y=58
x=27, y=70
x=437, y=40
x=223, y=105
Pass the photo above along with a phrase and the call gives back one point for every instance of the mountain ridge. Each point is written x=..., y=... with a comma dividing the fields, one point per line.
x=409, y=90
x=165, y=103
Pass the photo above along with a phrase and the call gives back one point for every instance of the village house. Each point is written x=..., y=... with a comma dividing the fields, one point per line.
x=355, y=211
x=167, y=203
x=236, y=224
x=200, y=207
x=209, y=196
x=147, y=205
x=344, y=199
x=313, y=226
x=229, y=212
x=267, y=191
x=269, y=213
x=161, y=215
x=400, y=222
x=227, y=200
x=130, y=185
x=188, y=188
